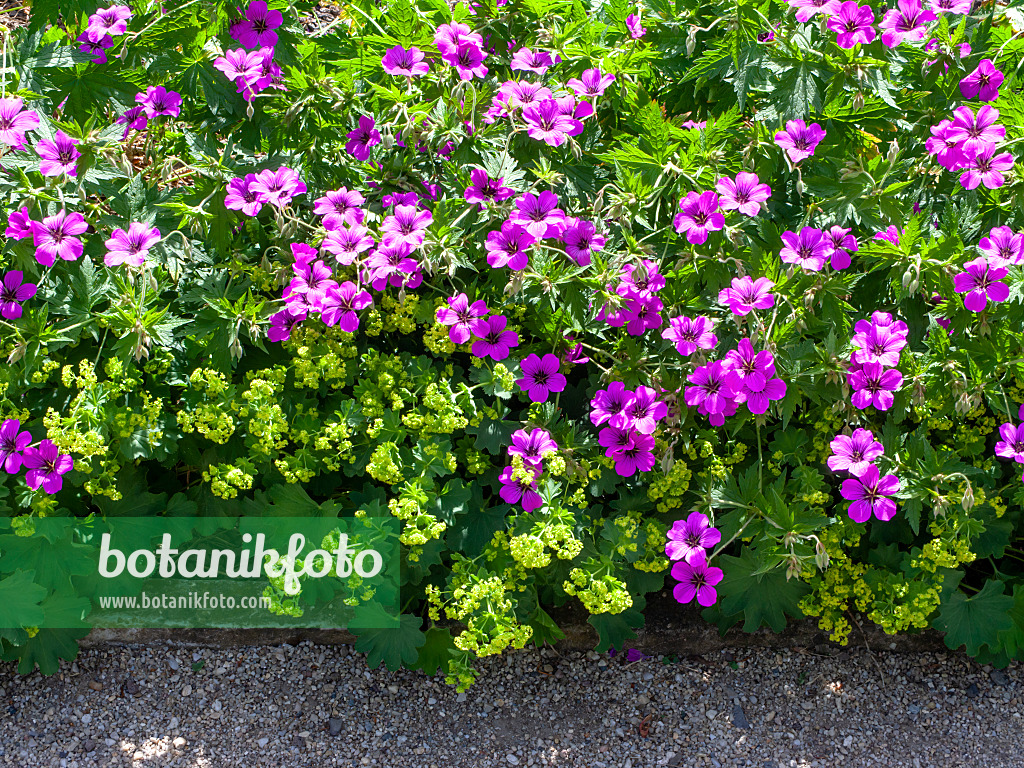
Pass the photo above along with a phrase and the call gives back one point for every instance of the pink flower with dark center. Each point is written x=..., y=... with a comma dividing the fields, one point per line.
x=842, y=242
x=799, y=140
x=1010, y=447
x=532, y=446
x=1002, y=246
x=645, y=410
x=310, y=283
x=540, y=377
x=363, y=138
x=545, y=122
x=346, y=243
x=507, y=247
x=633, y=25
x=341, y=304
x=751, y=377
x=853, y=23
x=945, y=147
x=390, y=260
x=690, y=335
x=59, y=156
x=538, y=214
x=905, y=22
x=519, y=491
x=108, y=21
x=406, y=225
x=643, y=279
x=878, y=344
x=495, y=342
x=242, y=197
x=257, y=30
x=56, y=237
x=448, y=36
x=131, y=247
x=961, y=7
x=484, y=189
x=525, y=60
x=696, y=579
x=343, y=204
x=874, y=385
x=466, y=320
x=98, y=48
x=581, y=240
x=158, y=101
x=13, y=443
x=975, y=132
x=609, y=405
x=15, y=122
x=854, y=453
x=13, y=292
x=638, y=455
x=745, y=194
x=134, y=119
x=591, y=83
x=980, y=281
x=19, y=224
x=983, y=83
x=983, y=166
x=687, y=539
x=407, y=63
x=239, y=64
x=806, y=9
x=710, y=388
x=277, y=188
x=45, y=465
x=699, y=214
x=640, y=313
x=868, y=493
x=282, y=323
x=808, y=250
x=746, y=295
x=468, y=60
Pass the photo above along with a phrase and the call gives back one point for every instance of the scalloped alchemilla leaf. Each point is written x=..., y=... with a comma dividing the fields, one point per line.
x=49, y=646
x=394, y=647
x=617, y=629
x=20, y=599
x=974, y=621
x=436, y=653
x=764, y=599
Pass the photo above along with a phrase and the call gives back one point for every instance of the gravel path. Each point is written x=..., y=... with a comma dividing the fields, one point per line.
x=312, y=706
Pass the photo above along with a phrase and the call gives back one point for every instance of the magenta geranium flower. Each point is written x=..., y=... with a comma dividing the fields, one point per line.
x=645, y=410
x=346, y=243
x=609, y=405
x=468, y=60
x=616, y=438
x=495, y=342
x=868, y=493
x=311, y=281
x=980, y=281
x=133, y=119
x=633, y=25
x=540, y=376
x=638, y=455
x=59, y=156
x=98, y=48
x=687, y=539
x=799, y=140
x=19, y=224
x=975, y=132
x=874, y=385
x=806, y=9
x=131, y=247
x=643, y=279
x=109, y=21
x=1002, y=246
x=546, y=122
x=406, y=225
x=507, y=247
x=710, y=388
x=854, y=453
x=591, y=83
x=448, y=36
x=13, y=443
x=532, y=446
x=13, y=292
x=363, y=138
x=240, y=65
x=1010, y=447
x=745, y=193
x=343, y=204
x=905, y=22
x=466, y=320
x=158, y=101
x=15, y=122
x=983, y=166
x=341, y=303
x=538, y=214
x=962, y=7
x=282, y=323
x=983, y=83
x=745, y=295
x=689, y=335
x=640, y=313
x=519, y=491
x=699, y=214
x=853, y=23
x=581, y=240
x=751, y=377
x=45, y=465
x=809, y=249
x=842, y=243
x=403, y=62
x=945, y=146
x=525, y=60
x=277, y=188
x=55, y=237
x=257, y=29
x=241, y=196
x=878, y=344
x=696, y=579
x=483, y=189
x=389, y=262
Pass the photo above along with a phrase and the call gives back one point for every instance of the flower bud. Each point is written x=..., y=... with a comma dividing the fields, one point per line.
x=858, y=101
x=968, y=500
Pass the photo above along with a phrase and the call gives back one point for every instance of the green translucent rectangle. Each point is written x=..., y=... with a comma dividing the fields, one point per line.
x=201, y=572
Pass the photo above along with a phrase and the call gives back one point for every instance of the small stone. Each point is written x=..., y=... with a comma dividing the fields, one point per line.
x=86, y=719
x=179, y=742
x=131, y=687
x=999, y=677
x=96, y=685
x=393, y=688
x=739, y=717
x=711, y=714
x=460, y=698
x=186, y=691
x=770, y=716
x=334, y=725
x=262, y=742
x=431, y=701
x=972, y=691
x=512, y=759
